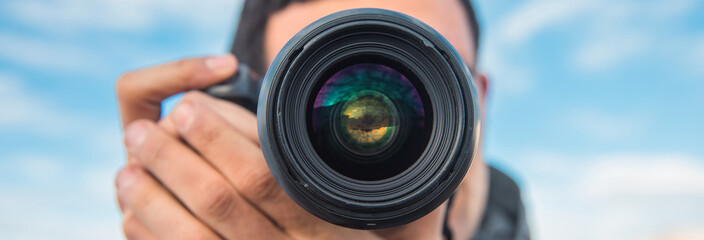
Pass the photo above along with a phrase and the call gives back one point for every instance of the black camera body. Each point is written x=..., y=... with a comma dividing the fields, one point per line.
x=367, y=118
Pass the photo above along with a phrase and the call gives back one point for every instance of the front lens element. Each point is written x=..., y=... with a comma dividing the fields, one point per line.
x=363, y=117
x=369, y=121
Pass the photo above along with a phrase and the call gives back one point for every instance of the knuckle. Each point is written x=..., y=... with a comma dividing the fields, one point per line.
x=120, y=192
x=218, y=201
x=125, y=192
x=144, y=201
x=124, y=84
x=157, y=151
x=204, y=131
x=116, y=182
x=210, y=134
x=259, y=185
x=153, y=147
x=202, y=125
x=130, y=226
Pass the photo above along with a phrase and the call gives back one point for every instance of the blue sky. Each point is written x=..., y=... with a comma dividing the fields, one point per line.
x=595, y=107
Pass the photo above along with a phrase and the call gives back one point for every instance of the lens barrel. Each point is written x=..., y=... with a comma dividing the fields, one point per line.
x=368, y=118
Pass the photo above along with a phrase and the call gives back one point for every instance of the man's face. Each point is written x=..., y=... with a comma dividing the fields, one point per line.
x=447, y=17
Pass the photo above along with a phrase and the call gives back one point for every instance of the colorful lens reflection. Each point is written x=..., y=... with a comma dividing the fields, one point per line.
x=369, y=120
x=366, y=106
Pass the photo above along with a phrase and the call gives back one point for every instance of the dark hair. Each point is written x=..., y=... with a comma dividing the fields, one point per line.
x=249, y=38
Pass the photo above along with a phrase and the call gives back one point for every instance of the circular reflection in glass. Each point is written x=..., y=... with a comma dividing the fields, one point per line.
x=364, y=119
x=369, y=121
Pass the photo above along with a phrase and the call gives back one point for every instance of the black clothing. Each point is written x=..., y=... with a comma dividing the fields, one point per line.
x=504, y=216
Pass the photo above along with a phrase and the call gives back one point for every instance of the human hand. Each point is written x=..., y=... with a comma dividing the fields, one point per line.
x=219, y=186
x=139, y=93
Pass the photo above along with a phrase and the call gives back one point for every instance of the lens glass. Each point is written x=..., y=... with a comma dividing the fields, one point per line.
x=368, y=122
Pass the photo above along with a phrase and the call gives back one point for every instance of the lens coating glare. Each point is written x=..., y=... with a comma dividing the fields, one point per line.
x=363, y=117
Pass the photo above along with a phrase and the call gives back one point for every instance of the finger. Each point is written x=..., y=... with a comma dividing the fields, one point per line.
x=120, y=204
x=242, y=163
x=140, y=93
x=156, y=208
x=168, y=126
x=201, y=188
x=134, y=229
x=235, y=115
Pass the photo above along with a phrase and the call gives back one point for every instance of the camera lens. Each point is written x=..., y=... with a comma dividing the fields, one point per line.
x=361, y=121
x=367, y=122
x=368, y=119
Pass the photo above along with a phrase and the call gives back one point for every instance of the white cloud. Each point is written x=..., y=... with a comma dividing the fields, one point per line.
x=535, y=16
x=602, y=53
x=42, y=54
x=98, y=180
x=51, y=198
x=507, y=78
x=55, y=213
x=38, y=168
x=670, y=8
x=44, y=195
x=618, y=32
x=56, y=37
x=71, y=14
x=643, y=195
x=609, y=33
x=25, y=112
x=512, y=83
x=696, y=56
x=682, y=233
x=619, y=195
x=31, y=113
x=699, y=50
x=605, y=126
x=121, y=15
x=643, y=176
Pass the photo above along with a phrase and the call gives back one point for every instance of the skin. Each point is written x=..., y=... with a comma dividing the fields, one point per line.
x=198, y=173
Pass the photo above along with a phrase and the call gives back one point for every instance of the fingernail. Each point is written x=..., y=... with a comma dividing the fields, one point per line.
x=220, y=64
x=183, y=116
x=125, y=177
x=135, y=135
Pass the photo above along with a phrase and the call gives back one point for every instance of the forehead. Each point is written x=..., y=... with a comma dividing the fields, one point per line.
x=448, y=17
